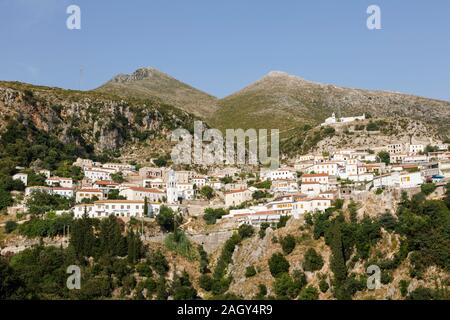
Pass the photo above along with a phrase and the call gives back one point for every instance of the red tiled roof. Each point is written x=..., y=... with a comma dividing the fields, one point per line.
x=90, y=190
x=104, y=182
x=236, y=191
x=312, y=175
x=149, y=190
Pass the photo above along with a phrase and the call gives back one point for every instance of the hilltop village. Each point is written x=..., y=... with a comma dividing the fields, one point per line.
x=248, y=196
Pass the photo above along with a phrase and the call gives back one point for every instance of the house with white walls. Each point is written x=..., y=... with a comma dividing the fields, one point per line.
x=88, y=193
x=237, y=197
x=22, y=177
x=140, y=193
x=118, y=208
x=59, y=182
x=96, y=173
x=303, y=206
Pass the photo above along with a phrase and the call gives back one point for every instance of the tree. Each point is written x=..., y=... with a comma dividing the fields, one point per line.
x=278, y=264
x=166, y=219
x=205, y=282
x=323, y=285
x=309, y=293
x=10, y=226
x=288, y=244
x=146, y=207
x=262, y=229
x=284, y=287
x=135, y=247
x=82, y=237
x=114, y=195
x=250, y=271
x=112, y=243
x=384, y=157
x=211, y=215
x=245, y=231
x=259, y=194
x=10, y=283
x=117, y=177
x=182, y=288
x=207, y=192
x=312, y=261
x=428, y=188
x=5, y=199
x=158, y=262
x=387, y=221
x=160, y=161
x=283, y=221
x=338, y=260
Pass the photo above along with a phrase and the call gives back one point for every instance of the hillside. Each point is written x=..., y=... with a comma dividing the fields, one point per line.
x=85, y=123
x=151, y=83
x=283, y=101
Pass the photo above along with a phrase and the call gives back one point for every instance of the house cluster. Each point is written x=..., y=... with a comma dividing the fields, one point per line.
x=310, y=184
x=315, y=181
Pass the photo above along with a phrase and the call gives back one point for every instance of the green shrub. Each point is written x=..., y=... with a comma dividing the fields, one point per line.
x=288, y=244
x=278, y=264
x=312, y=260
x=309, y=293
x=10, y=226
x=250, y=271
x=245, y=231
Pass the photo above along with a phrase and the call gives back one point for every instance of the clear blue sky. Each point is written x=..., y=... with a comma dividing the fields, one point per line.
x=221, y=46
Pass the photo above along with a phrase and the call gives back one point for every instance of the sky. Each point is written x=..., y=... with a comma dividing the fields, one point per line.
x=222, y=46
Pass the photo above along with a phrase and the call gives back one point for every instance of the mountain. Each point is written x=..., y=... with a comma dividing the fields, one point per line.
x=151, y=83
x=283, y=101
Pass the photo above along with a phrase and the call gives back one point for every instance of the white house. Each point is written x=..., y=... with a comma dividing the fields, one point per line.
x=237, y=197
x=45, y=173
x=88, y=193
x=278, y=174
x=284, y=185
x=410, y=180
x=199, y=181
x=60, y=182
x=416, y=148
x=402, y=180
x=303, y=206
x=95, y=173
x=322, y=178
x=395, y=148
x=185, y=191
x=63, y=192
x=118, y=208
x=156, y=183
x=119, y=166
x=312, y=188
x=253, y=215
x=330, y=168
x=140, y=193
x=22, y=177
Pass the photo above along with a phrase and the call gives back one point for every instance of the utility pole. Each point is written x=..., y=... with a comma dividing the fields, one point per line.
x=81, y=78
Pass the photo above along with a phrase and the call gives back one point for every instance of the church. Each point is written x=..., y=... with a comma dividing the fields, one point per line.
x=333, y=120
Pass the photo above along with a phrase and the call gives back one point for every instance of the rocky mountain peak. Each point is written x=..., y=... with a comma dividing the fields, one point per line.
x=139, y=74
